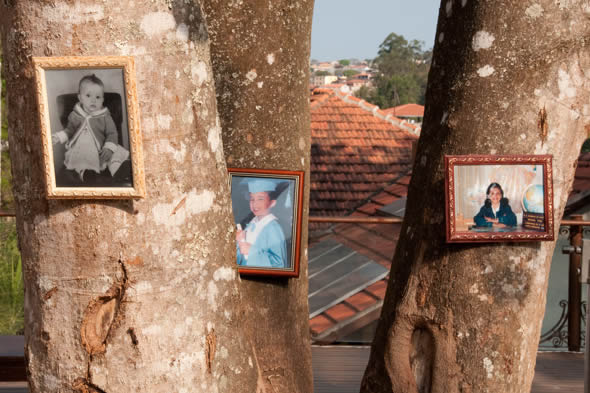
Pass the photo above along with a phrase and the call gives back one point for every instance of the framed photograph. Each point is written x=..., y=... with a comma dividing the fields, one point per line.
x=267, y=213
x=90, y=127
x=499, y=198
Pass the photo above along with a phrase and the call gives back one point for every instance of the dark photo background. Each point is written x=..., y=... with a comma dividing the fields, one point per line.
x=60, y=82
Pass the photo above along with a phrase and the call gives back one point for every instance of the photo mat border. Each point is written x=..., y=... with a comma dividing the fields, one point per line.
x=127, y=64
x=453, y=236
x=298, y=176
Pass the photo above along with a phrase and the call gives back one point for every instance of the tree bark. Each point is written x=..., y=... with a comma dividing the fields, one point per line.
x=467, y=317
x=129, y=296
x=260, y=55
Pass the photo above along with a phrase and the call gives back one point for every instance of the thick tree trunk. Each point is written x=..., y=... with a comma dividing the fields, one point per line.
x=260, y=54
x=129, y=296
x=467, y=318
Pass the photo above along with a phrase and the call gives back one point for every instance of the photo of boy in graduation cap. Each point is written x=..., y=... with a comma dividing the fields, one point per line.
x=260, y=236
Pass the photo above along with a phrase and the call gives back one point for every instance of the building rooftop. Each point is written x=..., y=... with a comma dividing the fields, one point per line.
x=406, y=110
x=355, y=299
x=356, y=151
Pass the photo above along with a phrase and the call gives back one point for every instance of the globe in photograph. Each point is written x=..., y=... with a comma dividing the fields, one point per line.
x=532, y=199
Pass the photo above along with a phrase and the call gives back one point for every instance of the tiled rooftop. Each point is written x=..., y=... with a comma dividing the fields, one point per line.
x=406, y=110
x=357, y=150
x=377, y=242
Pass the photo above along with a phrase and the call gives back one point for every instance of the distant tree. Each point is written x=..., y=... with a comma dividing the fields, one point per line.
x=344, y=62
x=366, y=93
x=6, y=197
x=322, y=73
x=349, y=73
x=402, y=68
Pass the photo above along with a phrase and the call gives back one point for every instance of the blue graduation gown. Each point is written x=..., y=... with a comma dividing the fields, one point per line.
x=269, y=249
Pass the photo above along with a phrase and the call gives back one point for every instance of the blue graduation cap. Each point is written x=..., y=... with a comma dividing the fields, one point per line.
x=261, y=185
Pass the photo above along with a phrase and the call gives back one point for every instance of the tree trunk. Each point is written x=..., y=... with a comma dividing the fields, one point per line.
x=260, y=54
x=467, y=317
x=129, y=296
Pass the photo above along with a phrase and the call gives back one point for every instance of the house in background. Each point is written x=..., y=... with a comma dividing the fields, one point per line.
x=327, y=66
x=322, y=80
x=357, y=82
x=413, y=113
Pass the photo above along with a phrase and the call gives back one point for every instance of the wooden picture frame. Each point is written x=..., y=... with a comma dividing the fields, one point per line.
x=493, y=198
x=74, y=129
x=267, y=207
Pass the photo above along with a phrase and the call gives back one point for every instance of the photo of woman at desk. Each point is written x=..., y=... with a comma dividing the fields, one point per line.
x=496, y=211
x=505, y=200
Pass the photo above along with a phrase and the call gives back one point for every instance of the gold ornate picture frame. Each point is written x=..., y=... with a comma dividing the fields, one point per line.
x=493, y=198
x=89, y=121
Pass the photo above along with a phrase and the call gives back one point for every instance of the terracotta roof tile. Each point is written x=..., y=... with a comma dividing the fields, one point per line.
x=320, y=323
x=385, y=198
x=340, y=312
x=361, y=301
x=355, y=152
x=406, y=110
x=397, y=189
x=378, y=289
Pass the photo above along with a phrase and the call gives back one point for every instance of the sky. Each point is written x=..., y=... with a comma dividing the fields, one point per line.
x=344, y=29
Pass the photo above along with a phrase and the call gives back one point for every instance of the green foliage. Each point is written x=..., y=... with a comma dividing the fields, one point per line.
x=6, y=197
x=349, y=73
x=344, y=62
x=322, y=73
x=11, y=282
x=4, y=132
x=402, y=73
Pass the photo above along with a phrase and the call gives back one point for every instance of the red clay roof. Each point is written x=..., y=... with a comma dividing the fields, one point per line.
x=406, y=110
x=356, y=151
x=376, y=241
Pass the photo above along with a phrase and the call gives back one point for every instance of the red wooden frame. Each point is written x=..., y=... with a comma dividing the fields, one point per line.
x=298, y=176
x=454, y=236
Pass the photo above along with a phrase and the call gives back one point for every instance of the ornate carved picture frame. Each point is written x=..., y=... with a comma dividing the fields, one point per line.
x=493, y=198
x=267, y=207
x=89, y=122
